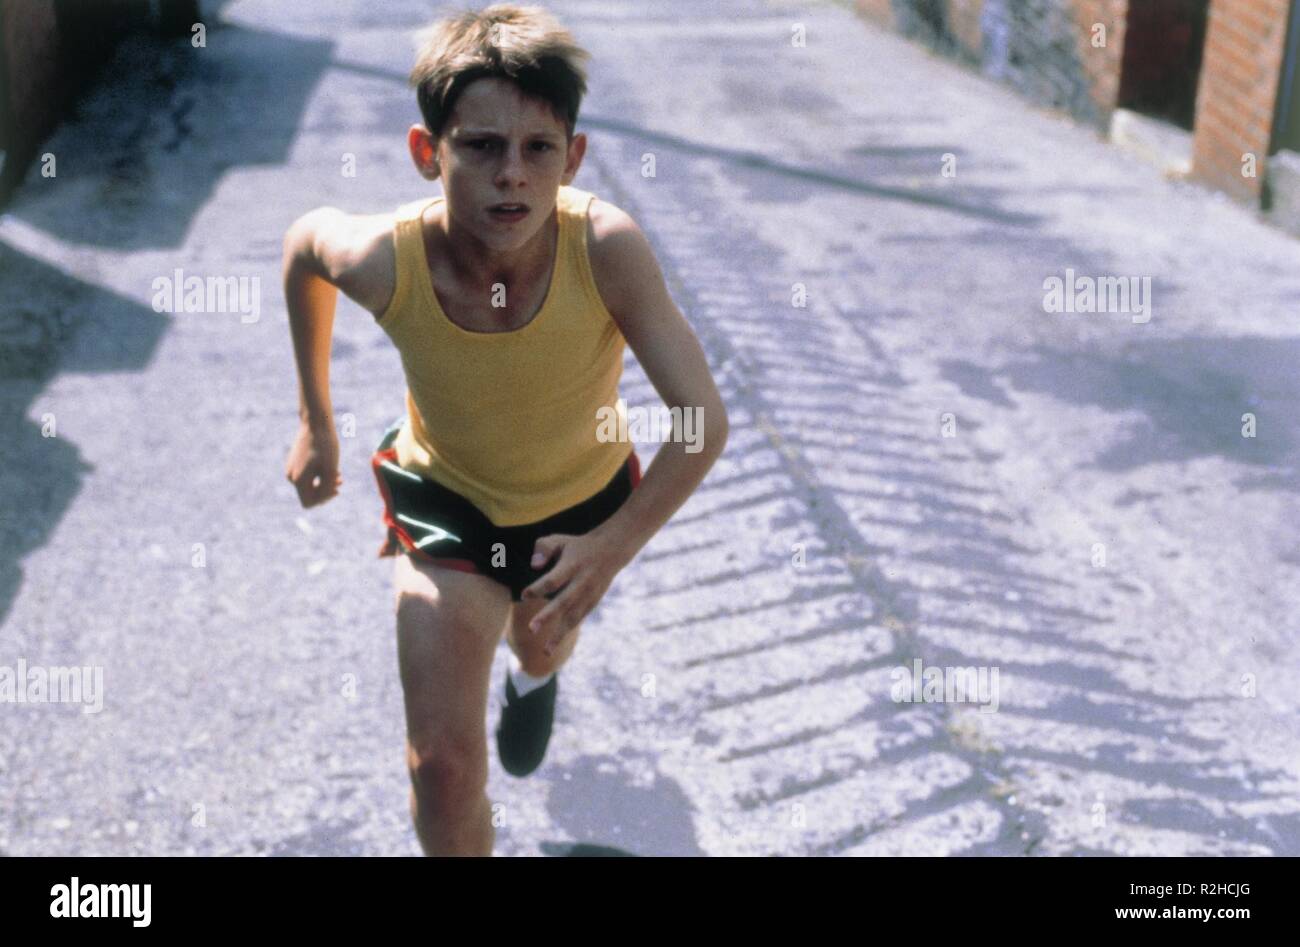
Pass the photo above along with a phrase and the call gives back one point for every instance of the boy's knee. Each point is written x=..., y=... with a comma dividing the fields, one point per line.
x=535, y=661
x=446, y=775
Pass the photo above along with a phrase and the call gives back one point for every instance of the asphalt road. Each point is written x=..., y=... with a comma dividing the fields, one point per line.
x=924, y=464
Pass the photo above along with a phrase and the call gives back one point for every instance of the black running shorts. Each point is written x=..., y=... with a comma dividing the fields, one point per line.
x=426, y=520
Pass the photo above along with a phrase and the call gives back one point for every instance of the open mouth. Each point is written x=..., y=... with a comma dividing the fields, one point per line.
x=509, y=211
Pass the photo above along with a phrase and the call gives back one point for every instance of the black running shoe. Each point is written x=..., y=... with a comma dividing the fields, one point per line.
x=525, y=727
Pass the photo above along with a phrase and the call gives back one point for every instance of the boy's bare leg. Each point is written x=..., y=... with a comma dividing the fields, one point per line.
x=448, y=626
x=528, y=646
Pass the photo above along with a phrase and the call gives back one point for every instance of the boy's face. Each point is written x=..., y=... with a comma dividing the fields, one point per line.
x=499, y=146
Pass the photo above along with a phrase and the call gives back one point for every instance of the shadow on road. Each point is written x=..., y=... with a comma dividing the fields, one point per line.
x=808, y=178
x=133, y=167
x=147, y=148
x=58, y=324
x=1191, y=393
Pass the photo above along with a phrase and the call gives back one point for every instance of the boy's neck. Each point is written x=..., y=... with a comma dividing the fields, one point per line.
x=478, y=266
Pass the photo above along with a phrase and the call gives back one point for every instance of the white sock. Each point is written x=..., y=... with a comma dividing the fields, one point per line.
x=523, y=681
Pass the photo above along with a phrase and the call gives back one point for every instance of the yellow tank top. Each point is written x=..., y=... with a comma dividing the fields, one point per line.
x=509, y=420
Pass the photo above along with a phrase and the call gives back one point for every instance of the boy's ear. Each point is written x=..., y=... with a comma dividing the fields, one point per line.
x=424, y=152
x=577, y=148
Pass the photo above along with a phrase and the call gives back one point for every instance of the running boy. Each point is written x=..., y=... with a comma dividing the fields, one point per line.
x=509, y=299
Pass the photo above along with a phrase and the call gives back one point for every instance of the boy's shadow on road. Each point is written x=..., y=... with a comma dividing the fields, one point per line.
x=583, y=850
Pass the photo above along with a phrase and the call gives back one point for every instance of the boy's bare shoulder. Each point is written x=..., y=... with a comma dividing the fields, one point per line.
x=355, y=253
x=622, y=261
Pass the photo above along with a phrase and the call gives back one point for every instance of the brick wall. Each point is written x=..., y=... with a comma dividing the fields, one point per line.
x=1102, y=63
x=877, y=10
x=964, y=27
x=1042, y=48
x=1237, y=92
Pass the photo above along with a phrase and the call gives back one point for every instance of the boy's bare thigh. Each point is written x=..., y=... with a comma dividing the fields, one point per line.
x=449, y=624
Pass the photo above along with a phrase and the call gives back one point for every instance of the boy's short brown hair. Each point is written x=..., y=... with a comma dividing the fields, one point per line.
x=526, y=45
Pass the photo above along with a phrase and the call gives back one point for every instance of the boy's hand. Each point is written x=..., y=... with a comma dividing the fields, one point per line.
x=583, y=572
x=313, y=465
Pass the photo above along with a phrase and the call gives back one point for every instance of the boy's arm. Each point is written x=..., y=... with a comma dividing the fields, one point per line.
x=324, y=251
x=632, y=284
x=310, y=298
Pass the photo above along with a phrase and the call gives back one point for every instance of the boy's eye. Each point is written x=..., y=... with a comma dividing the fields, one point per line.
x=480, y=144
